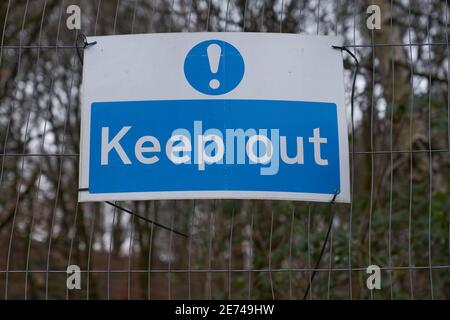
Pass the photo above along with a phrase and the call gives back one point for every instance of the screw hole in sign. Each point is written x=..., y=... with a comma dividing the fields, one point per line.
x=214, y=67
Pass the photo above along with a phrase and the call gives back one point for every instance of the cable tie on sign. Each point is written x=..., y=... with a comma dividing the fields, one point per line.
x=352, y=101
x=334, y=196
x=84, y=44
x=344, y=48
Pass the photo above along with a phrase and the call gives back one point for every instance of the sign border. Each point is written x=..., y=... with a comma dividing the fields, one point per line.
x=342, y=197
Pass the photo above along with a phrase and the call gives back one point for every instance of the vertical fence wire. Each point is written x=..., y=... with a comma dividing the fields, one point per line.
x=391, y=162
x=371, y=148
x=191, y=236
x=5, y=143
x=430, y=158
x=447, y=49
x=250, y=273
x=291, y=234
x=27, y=264
x=352, y=170
x=411, y=110
x=150, y=252
x=60, y=166
x=230, y=254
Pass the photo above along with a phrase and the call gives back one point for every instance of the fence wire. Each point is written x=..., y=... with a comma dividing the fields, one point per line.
x=399, y=218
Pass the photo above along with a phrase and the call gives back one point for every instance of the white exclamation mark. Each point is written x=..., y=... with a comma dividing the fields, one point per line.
x=214, y=52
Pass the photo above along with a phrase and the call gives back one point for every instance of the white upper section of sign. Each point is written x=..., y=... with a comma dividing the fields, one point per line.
x=150, y=67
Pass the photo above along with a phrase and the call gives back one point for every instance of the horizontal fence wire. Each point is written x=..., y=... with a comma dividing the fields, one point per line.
x=363, y=269
x=72, y=47
x=399, y=218
x=356, y=152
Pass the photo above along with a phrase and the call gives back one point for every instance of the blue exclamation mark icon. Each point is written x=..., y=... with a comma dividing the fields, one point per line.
x=214, y=67
x=214, y=51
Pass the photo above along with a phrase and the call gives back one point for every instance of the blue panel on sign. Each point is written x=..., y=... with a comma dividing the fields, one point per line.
x=214, y=145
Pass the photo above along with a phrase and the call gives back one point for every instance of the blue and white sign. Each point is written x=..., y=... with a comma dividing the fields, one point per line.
x=213, y=115
x=206, y=70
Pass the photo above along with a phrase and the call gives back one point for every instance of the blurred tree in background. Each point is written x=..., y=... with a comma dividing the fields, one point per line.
x=399, y=217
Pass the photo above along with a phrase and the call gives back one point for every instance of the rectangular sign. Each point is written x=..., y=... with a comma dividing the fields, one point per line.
x=213, y=115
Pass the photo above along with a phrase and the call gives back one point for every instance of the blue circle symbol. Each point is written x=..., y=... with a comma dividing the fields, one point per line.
x=214, y=67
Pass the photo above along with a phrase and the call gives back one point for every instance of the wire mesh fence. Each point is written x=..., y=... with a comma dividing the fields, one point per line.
x=399, y=218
